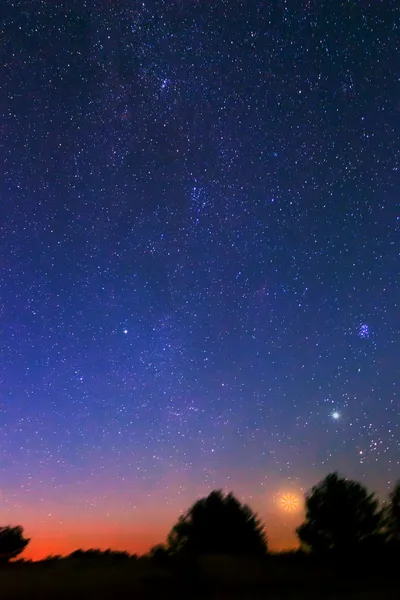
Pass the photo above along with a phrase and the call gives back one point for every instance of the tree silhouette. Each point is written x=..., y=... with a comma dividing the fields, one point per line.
x=340, y=516
x=218, y=524
x=12, y=542
x=393, y=514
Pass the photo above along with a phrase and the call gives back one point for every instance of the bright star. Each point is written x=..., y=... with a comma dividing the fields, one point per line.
x=335, y=415
x=289, y=502
x=363, y=331
x=125, y=331
x=164, y=84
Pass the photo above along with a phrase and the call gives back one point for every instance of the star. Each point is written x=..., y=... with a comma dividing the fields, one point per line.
x=289, y=502
x=363, y=331
x=195, y=183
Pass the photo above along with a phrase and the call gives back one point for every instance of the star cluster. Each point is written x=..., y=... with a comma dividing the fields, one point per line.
x=200, y=246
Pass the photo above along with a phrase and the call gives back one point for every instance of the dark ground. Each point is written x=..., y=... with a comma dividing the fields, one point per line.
x=211, y=578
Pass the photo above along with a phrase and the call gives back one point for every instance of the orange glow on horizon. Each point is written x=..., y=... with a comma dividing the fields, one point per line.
x=135, y=539
x=130, y=520
x=45, y=543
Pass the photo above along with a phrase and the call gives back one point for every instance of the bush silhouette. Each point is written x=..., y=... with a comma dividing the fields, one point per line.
x=393, y=515
x=341, y=516
x=218, y=524
x=96, y=554
x=12, y=542
x=51, y=558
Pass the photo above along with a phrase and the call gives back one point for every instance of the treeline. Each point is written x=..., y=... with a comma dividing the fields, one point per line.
x=342, y=519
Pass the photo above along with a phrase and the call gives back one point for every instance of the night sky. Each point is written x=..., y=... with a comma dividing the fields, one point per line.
x=199, y=263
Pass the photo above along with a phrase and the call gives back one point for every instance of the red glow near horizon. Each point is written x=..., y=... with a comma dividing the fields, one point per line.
x=46, y=543
x=59, y=530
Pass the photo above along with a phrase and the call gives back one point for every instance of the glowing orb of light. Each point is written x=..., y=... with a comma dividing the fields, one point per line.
x=289, y=502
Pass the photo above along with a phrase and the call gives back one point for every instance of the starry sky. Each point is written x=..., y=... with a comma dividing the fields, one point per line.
x=199, y=265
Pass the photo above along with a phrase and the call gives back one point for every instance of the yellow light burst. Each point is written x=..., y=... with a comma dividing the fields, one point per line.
x=289, y=502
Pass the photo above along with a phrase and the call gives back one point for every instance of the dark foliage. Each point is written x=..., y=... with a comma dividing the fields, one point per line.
x=51, y=559
x=159, y=554
x=218, y=524
x=341, y=517
x=393, y=515
x=12, y=542
x=95, y=554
